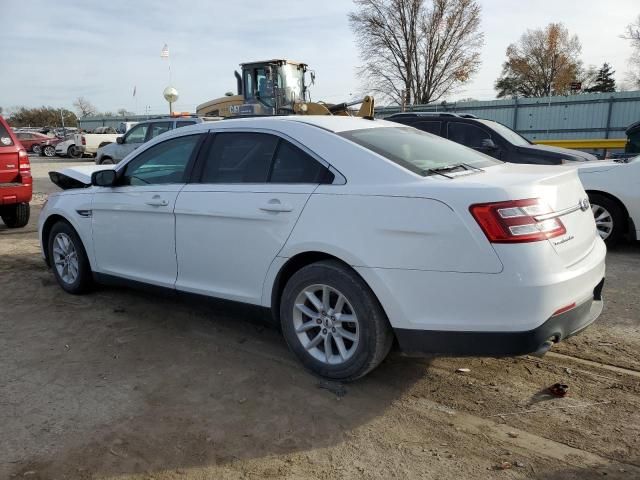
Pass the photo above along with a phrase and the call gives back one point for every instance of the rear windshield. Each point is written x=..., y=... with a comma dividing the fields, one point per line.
x=5, y=139
x=417, y=151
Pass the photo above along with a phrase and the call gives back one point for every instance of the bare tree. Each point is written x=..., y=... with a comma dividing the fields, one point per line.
x=632, y=33
x=544, y=62
x=416, y=51
x=84, y=107
x=124, y=112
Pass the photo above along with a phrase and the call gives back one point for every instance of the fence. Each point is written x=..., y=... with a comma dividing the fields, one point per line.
x=584, y=116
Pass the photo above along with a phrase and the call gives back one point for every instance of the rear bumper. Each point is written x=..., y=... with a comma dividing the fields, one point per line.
x=466, y=343
x=12, y=193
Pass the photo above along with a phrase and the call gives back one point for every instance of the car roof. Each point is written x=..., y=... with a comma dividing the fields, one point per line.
x=332, y=123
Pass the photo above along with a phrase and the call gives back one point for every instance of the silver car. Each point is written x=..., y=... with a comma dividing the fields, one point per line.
x=139, y=134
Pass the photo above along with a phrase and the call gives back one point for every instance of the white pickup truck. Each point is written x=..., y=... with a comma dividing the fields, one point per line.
x=88, y=143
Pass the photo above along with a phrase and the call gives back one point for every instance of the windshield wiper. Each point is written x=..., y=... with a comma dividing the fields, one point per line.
x=442, y=171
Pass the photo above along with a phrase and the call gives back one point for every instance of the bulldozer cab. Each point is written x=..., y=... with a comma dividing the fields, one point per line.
x=271, y=87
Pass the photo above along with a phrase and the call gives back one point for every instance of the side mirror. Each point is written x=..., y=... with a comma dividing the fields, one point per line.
x=488, y=144
x=103, y=178
x=120, y=140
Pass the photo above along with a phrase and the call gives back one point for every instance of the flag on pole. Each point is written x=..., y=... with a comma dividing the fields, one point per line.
x=134, y=90
x=165, y=51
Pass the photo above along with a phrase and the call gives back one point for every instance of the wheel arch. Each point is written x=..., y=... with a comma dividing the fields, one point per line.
x=297, y=262
x=618, y=202
x=46, y=231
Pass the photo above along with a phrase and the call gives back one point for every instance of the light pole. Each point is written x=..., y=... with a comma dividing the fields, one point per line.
x=170, y=95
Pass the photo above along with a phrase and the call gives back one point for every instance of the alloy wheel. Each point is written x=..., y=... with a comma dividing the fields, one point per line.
x=604, y=221
x=49, y=151
x=326, y=324
x=65, y=258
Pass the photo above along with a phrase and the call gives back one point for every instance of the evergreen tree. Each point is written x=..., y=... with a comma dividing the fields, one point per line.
x=604, y=81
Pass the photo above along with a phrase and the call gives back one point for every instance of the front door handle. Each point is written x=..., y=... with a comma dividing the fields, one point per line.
x=156, y=201
x=274, y=205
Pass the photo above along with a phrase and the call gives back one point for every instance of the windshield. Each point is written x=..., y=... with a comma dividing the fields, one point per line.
x=506, y=133
x=418, y=152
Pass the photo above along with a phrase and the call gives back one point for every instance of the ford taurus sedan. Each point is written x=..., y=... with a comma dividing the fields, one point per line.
x=353, y=234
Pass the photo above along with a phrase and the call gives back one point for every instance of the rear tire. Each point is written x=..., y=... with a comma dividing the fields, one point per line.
x=73, y=152
x=338, y=339
x=16, y=216
x=609, y=217
x=68, y=259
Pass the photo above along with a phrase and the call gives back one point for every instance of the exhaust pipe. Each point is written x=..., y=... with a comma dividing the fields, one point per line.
x=238, y=82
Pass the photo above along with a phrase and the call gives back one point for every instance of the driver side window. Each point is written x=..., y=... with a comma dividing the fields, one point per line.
x=137, y=134
x=161, y=164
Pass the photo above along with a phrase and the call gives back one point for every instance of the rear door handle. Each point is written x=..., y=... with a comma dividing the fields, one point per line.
x=274, y=205
x=156, y=201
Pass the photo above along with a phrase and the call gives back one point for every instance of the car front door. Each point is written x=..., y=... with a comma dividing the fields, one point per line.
x=130, y=141
x=133, y=221
x=234, y=221
x=474, y=137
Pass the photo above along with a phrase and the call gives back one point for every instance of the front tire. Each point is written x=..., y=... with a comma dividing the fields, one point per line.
x=333, y=322
x=609, y=218
x=107, y=161
x=69, y=260
x=16, y=216
x=49, y=151
x=36, y=149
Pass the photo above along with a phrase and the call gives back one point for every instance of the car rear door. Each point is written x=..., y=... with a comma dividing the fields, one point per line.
x=9, y=160
x=234, y=221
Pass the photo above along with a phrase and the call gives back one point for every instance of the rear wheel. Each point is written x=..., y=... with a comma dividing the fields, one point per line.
x=333, y=322
x=49, y=151
x=16, y=216
x=73, y=152
x=609, y=218
x=69, y=259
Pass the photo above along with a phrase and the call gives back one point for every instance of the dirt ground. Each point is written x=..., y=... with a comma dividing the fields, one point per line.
x=122, y=384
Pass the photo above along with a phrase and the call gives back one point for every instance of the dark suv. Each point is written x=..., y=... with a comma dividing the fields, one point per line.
x=488, y=137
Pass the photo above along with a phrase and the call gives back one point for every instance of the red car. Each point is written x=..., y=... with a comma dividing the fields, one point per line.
x=16, y=186
x=31, y=140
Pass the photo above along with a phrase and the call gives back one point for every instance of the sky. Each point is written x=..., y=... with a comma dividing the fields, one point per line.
x=54, y=52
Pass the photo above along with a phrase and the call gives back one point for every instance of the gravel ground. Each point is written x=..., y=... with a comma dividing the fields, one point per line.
x=124, y=384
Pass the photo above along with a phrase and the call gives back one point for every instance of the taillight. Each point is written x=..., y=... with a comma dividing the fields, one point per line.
x=515, y=221
x=23, y=163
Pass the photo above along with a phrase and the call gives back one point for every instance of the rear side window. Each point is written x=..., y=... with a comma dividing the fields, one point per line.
x=239, y=158
x=159, y=128
x=467, y=134
x=292, y=165
x=5, y=138
x=416, y=151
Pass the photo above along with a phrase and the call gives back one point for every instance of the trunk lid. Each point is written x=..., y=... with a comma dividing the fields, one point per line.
x=558, y=186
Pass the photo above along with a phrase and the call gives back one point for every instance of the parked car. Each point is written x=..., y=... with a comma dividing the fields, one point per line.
x=614, y=192
x=489, y=137
x=31, y=140
x=88, y=143
x=15, y=179
x=140, y=133
x=48, y=147
x=67, y=148
x=350, y=232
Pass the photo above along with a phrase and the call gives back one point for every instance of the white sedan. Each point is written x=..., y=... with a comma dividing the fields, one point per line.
x=351, y=233
x=614, y=192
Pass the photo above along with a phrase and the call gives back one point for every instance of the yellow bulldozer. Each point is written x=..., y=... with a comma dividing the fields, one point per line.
x=278, y=87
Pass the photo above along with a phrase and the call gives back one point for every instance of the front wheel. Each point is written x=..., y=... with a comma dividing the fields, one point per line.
x=49, y=151
x=16, y=216
x=333, y=322
x=609, y=218
x=68, y=259
x=36, y=149
x=107, y=161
